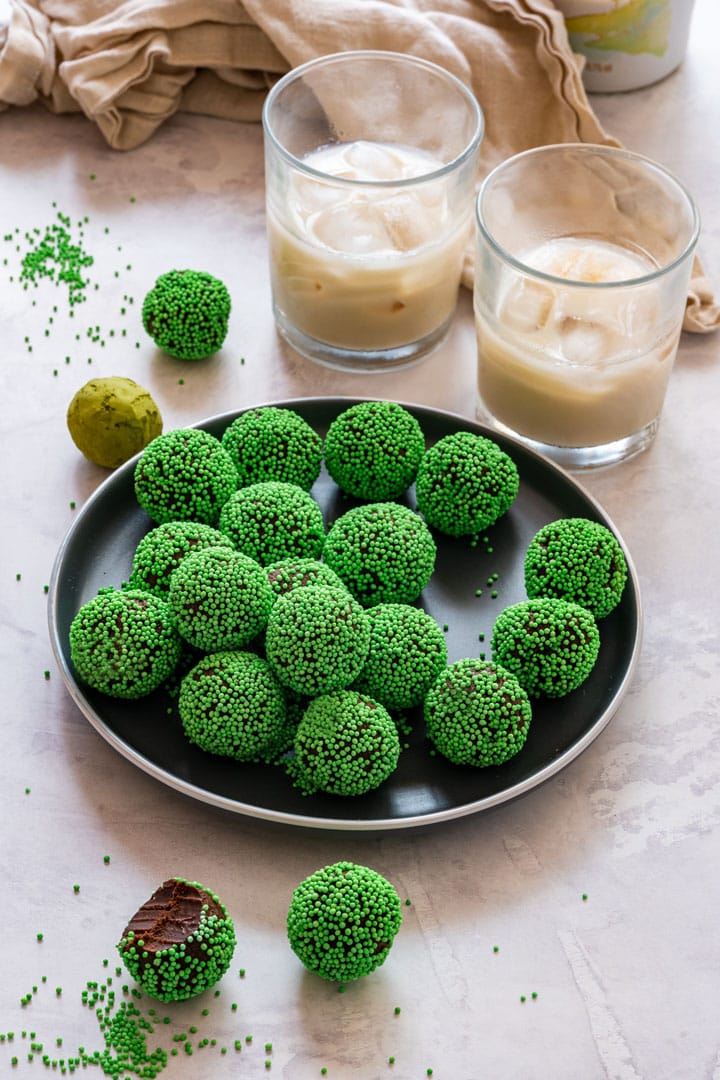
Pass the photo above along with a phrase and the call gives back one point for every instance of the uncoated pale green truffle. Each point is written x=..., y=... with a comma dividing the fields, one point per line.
x=477, y=713
x=373, y=449
x=342, y=921
x=179, y=943
x=161, y=551
x=550, y=645
x=288, y=574
x=465, y=482
x=346, y=744
x=383, y=552
x=273, y=443
x=576, y=559
x=124, y=643
x=231, y=704
x=270, y=521
x=407, y=652
x=112, y=419
x=317, y=639
x=184, y=475
x=186, y=314
x=221, y=599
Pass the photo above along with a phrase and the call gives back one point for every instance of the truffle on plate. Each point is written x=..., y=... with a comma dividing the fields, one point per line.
x=345, y=744
x=272, y=520
x=184, y=475
x=273, y=443
x=407, y=653
x=180, y=942
x=317, y=639
x=112, y=419
x=550, y=645
x=465, y=483
x=383, y=552
x=186, y=314
x=288, y=574
x=576, y=559
x=161, y=551
x=221, y=598
x=373, y=449
x=124, y=643
x=231, y=704
x=477, y=713
x=342, y=921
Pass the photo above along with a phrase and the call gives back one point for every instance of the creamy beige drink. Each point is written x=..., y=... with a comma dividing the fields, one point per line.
x=366, y=266
x=575, y=366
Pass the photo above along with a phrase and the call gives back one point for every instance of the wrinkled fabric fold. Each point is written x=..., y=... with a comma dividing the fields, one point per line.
x=129, y=65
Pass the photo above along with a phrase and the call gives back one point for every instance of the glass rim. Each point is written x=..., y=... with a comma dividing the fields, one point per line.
x=296, y=73
x=606, y=151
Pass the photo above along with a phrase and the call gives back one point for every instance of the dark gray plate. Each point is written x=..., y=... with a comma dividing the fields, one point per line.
x=424, y=789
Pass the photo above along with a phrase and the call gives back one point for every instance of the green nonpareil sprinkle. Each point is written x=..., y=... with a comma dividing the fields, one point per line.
x=584, y=896
x=397, y=1010
x=76, y=888
x=534, y=995
x=106, y=858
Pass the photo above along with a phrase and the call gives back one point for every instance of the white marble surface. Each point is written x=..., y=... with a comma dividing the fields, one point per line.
x=627, y=981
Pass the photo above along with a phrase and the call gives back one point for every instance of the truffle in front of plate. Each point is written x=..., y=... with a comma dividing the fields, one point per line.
x=477, y=713
x=465, y=482
x=346, y=744
x=576, y=559
x=231, y=704
x=373, y=450
x=186, y=314
x=221, y=599
x=161, y=551
x=124, y=643
x=180, y=942
x=342, y=921
x=317, y=639
x=407, y=653
x=184, y=475
x=273, y=443
x=270, y=521
x=112, y=419
x=550, y=645
x=383, y=552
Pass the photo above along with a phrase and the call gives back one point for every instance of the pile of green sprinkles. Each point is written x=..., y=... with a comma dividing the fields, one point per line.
x=56, y=254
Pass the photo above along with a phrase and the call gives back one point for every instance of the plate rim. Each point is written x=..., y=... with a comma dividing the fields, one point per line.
x=191, y=790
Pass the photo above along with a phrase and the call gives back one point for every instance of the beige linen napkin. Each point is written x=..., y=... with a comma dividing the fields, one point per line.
x=130, y=64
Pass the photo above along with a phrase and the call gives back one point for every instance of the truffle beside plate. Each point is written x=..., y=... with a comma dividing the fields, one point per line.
x=98, y=550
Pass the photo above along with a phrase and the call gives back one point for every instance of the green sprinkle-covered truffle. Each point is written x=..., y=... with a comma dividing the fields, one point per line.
x=221, y=598
x=342, y=921
x=112, y=419
x=288, y=574
x=273, y=520
x=551, y=645
x=465, y=482
x=124, y=643
x=186, y=314
x=161, y=551
x=317, y=639
x=179, y=943
x=576, y=559
x=373, y=449
x=346, y=744
x=184, y=475
x=477, y=713
x=383, y=552
x=232, y=704
x=272, y=443
x=407, y=653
